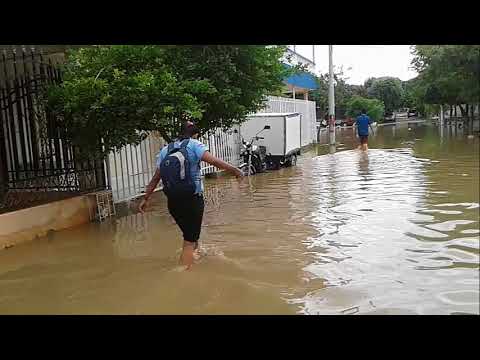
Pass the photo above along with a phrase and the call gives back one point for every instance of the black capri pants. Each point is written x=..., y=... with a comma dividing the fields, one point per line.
x=188, y=214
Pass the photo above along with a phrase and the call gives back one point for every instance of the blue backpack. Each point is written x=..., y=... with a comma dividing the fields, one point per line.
x=175, y=172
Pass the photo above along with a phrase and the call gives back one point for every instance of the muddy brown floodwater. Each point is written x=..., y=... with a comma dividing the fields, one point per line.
x=391, y=231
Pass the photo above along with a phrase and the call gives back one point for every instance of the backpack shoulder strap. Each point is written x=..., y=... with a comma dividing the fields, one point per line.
x=184, y=143
x=171, y=148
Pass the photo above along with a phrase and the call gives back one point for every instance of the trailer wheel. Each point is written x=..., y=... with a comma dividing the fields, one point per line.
x=274, y=164
x=291, y=161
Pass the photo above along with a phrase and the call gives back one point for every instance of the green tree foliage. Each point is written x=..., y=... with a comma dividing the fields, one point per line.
x=343, y=93
x=240, y=78
x=320, y=95
x=368, y=83
x=408, y=99
x=120, y=93
x=387, y=89
x=448, y=74
x=359, y=90
x=374, y=107
x=412, y=96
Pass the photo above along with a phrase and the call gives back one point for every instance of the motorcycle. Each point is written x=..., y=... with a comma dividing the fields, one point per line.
x=254, y=156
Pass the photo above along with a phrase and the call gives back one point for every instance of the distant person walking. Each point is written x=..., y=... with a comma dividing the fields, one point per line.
x=362, y=123
x=178, y=166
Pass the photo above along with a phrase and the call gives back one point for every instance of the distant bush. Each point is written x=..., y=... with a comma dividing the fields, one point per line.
x=375, y=108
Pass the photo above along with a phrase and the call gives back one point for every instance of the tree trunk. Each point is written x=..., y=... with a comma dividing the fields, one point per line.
x=472, y=117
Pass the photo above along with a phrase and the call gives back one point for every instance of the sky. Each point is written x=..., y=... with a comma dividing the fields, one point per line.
x=363, y=61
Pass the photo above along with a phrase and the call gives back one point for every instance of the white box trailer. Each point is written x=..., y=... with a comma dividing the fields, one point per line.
x=282, y=140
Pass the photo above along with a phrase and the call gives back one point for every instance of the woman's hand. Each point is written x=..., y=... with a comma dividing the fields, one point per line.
x=212, y=160
x=143, y=205
x=238, y=173
x=150, y=188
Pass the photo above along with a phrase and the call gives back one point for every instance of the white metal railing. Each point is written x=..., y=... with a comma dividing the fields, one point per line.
x=224, y=145
x=131, y=168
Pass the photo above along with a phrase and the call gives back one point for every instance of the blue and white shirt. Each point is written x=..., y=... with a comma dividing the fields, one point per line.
x=195, y=151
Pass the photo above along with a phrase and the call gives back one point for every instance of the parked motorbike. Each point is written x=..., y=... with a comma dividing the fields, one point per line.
x=254, y=156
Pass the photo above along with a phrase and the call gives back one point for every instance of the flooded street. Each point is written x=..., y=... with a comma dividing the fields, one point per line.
x=391, y=231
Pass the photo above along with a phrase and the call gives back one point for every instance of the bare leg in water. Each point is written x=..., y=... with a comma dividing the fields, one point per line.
x=188, y=254
x=363, y=143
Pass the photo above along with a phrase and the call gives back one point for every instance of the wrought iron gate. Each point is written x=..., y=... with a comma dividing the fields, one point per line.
x=37, y=164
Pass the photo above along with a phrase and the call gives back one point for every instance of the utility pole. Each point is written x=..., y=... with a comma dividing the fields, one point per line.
x=331, y=100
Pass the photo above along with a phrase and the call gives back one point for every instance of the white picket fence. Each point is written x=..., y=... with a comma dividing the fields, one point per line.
x=131, y=168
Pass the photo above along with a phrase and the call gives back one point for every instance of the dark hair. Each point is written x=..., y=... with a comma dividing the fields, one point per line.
x=188, y=130
x=364, y=111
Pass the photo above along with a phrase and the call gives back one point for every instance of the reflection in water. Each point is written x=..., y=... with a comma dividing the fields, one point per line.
x=363, y=168
x=390, y=231
x=133, y=237
x=333, y=148
x=378, y=190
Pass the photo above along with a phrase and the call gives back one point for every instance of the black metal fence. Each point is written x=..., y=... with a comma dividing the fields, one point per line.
x=37, y=164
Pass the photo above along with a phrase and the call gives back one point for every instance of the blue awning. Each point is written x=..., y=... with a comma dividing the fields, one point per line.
x=302, y=80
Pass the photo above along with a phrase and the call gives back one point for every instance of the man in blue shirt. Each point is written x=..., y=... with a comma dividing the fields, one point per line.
x=362, y=124
x=188, y=211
